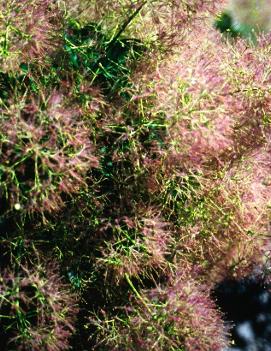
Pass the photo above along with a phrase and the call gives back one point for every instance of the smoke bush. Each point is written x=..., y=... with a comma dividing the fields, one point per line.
x=181, y=189
x=216, y=109
x=213, y=103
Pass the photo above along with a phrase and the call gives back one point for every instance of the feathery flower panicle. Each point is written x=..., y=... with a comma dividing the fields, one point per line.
x=249, y=181
x=37, y=309
x=157, y=239
x=30, y=31
x=160, y=23
x=252, y=181
x=139, y=246
x=179, y=315
x=208, y=222
x=44, y=153
x=213, y=97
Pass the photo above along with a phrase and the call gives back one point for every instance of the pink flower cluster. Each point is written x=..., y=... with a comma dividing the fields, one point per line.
x=45, y=153
x=176, y=316
x=41, y=298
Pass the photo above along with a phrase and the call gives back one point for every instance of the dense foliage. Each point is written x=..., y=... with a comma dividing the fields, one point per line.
x=134, y=170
